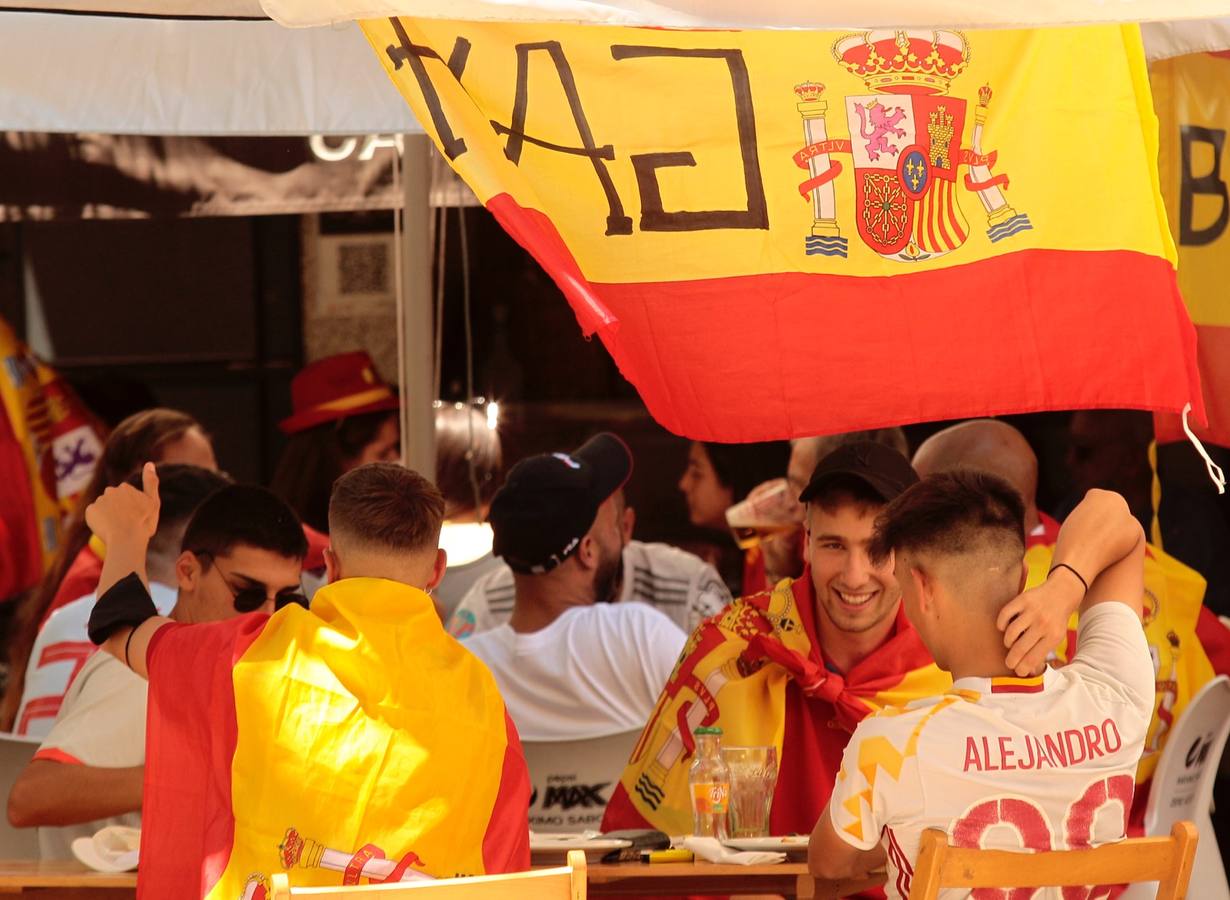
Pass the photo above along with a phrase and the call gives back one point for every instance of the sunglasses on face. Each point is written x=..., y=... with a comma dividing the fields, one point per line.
x=250, y=599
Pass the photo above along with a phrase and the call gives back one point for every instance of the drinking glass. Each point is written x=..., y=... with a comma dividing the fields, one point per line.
x=753, y=777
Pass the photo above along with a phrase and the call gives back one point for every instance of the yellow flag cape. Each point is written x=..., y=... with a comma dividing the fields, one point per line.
x=355, y=741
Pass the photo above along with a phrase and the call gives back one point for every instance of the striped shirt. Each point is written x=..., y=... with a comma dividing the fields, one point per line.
x=677, y=583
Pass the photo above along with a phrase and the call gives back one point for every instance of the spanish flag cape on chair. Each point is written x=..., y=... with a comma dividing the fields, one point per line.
x=1189, y=644
x=756, y=671
x=350, y=742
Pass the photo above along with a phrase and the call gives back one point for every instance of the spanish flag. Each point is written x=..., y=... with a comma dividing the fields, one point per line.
x=927, y=224
x=756, y=671
x=1189, y=645
x=350, y=743
x=49, y=446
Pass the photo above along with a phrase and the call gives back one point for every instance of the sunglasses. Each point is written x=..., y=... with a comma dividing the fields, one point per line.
x=250, y=599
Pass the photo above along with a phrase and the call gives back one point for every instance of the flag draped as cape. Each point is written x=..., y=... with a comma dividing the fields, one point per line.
x=322, y=742
x=756, y=671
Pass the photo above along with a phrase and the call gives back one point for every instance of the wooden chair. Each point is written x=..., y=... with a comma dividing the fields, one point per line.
x=1167, y=860
x=564, y=883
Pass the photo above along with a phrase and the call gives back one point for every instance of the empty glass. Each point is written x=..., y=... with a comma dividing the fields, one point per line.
x=753, y=777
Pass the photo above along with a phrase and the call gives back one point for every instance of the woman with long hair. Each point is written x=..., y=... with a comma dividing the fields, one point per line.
x=718, y=476
x=157, y=435
x=344, y=416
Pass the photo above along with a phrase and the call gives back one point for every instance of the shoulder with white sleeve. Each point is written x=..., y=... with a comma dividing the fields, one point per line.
x=679, y=583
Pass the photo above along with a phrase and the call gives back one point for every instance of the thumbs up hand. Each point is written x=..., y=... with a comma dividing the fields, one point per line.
x=124, y=514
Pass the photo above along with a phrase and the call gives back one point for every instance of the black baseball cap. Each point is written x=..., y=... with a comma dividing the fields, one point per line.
x=549, y=502
x=879, y=466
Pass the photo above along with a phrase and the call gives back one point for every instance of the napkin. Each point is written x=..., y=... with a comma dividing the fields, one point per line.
x=712, y=850
x=112, y=849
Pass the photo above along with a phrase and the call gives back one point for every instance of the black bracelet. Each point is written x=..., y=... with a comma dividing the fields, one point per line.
x=1073, y=571
x=126, y=643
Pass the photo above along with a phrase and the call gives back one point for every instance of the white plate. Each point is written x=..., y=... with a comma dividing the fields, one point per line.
x=781, y=843
x=545, y=842
x=113, y=849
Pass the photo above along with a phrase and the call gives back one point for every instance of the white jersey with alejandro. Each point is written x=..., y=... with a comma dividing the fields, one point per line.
x=1012, y=763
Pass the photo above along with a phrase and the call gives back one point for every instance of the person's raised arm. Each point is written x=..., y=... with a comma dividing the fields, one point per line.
x=125, y=519
x=1099, y=558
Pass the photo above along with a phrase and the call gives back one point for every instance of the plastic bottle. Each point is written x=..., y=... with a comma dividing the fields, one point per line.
x=709, y=783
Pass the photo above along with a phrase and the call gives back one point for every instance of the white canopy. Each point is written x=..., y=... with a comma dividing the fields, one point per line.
x=191, y=76
x=221, y=67
x=772, y=14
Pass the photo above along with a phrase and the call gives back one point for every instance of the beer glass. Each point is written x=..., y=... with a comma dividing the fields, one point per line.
x=770, y=511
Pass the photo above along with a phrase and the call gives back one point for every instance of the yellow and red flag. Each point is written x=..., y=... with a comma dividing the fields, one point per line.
x=782, y=233
x=756, y=671
x=355, y=742
x=1188, y=643
x=49, y=446
x=1192, y=95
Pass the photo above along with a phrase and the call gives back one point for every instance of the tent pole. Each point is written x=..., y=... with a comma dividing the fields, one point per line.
x=418, y=436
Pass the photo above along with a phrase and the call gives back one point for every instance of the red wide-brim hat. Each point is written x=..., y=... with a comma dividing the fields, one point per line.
x=334, y=388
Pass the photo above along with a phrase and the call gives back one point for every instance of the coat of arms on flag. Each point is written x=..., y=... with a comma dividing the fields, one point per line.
x=906, y=146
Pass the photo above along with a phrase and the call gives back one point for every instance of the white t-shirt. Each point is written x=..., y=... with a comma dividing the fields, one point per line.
x=1041, y=763
x=683, y=586
x=60, y=651
x=101, y=723
x=593, y=672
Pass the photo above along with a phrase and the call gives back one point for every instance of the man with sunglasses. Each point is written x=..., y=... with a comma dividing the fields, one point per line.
x=243, y=550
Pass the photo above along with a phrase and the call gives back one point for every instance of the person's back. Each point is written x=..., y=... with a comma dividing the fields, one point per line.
x=1050, y=758
x=1006, y=759
x=342, y=728
x=572, y=663
x=593, y=672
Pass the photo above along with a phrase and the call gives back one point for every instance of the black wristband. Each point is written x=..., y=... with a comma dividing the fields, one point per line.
x=126, y=604
x=1078, y=575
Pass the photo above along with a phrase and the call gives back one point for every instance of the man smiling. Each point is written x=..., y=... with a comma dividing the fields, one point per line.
x=796, y=668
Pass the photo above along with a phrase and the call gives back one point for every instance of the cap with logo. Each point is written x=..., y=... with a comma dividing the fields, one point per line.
x=549, y=502
x=336, y=387
x=880, y=467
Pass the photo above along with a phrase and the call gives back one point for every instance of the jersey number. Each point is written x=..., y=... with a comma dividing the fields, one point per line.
x=1030, y=823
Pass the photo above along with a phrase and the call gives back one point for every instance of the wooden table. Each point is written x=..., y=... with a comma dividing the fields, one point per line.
x=73, y=881
x=789, y=879
x=47, y=880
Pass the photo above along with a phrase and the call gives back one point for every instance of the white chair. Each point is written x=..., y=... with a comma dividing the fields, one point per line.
x=15, y=754
x=1183, y=786
x=573, y=780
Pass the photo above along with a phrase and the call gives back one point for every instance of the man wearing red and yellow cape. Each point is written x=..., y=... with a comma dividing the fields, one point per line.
x=796, y=668
x=1189, y=644
x=351, y=742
